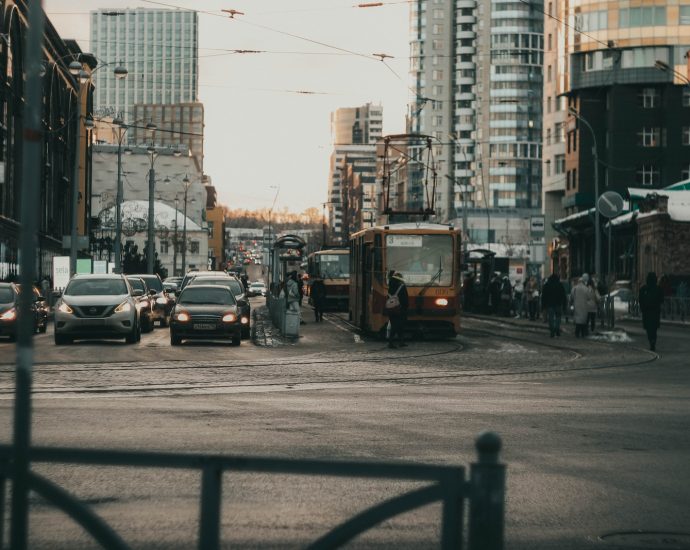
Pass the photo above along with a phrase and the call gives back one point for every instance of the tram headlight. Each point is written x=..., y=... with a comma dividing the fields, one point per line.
x=441, y=302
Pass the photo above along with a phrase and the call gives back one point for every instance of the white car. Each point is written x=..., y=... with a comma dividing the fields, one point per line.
x=257, y=289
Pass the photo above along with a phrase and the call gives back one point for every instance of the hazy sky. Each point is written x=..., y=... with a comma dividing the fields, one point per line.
x=259, y=131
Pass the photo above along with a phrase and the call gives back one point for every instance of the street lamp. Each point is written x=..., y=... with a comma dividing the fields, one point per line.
x=122, y=130
x=597, y=233
x=187, y=184
x=270, y=237
x=81, y=78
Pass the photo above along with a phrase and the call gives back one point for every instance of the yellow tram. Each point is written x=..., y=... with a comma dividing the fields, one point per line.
x=429, y=258
x=333, y=266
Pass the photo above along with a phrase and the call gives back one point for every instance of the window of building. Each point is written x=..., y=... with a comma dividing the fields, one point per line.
x=684, y=15
x=194, y=247
x=164, y=247
x=686, y=135
x=548, y=136
x=437, y=28
x=648, y=175
x=437, y=74
x=649, y=137
x=210, y=230
x=560, y=164
x=575, y=182
x=437, y=44
x=646, y=16
x=643, y=57
x=649, y=98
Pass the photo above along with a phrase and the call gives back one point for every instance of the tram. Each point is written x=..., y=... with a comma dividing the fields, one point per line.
x=429, y=258
x=333, y=266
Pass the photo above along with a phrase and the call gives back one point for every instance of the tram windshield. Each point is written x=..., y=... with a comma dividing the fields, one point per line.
x=421, y=259
x=334, y=266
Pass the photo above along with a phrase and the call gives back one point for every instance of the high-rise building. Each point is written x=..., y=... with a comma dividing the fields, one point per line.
x=616, y=83
x=158, y=47
x=478, y=87
x=355, y=131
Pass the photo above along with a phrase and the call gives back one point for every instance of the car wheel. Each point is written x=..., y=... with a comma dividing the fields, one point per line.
x=61, y=340
x=132, y=337
x=175, y=340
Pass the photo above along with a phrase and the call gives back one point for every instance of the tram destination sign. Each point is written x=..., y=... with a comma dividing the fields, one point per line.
x=405, y=241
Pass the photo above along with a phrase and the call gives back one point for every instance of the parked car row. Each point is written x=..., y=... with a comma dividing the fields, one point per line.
x=9, y=310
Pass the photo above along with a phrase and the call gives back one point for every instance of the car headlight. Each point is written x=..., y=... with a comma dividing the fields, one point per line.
x=183, y=317
x=441, y=302
x=124, y=307
x=9, y=315
x=65, y=308
x=162, y=301
x=229, y=318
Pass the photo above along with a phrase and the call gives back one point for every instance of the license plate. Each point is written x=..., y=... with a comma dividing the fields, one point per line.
x=204, y=326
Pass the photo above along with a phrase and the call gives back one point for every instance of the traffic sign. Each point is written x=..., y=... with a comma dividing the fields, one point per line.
x=536, y=226
x=610, y=204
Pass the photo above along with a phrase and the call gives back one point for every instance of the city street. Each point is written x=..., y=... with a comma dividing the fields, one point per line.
x=595, y=433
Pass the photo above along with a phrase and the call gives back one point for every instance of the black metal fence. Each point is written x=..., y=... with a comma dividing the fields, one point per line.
x=484, y=491
x=673, y=309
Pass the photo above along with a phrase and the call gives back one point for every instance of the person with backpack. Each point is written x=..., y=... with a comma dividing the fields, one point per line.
x=395, y=308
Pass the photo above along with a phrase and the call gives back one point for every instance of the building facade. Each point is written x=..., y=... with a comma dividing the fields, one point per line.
x=355, y=131
x=477, y=75
x=158, y=47
x=64, y=141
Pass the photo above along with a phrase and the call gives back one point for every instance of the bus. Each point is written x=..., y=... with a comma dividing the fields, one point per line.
x=429, y=258
x=333, y=266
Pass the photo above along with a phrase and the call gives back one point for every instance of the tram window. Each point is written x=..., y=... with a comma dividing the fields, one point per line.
x=378, y=259
x=421, y=259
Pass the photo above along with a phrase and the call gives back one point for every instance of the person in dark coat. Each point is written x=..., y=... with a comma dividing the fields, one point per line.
x=651, y=300
x=495, y=294
x=554, y=300
x=396, y=287
x=318, y=298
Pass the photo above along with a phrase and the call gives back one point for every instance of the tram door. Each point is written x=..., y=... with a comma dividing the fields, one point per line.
x=367, y=294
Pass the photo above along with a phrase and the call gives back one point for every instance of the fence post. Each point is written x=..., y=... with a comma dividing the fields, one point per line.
x=487, y=499
x=209, y=523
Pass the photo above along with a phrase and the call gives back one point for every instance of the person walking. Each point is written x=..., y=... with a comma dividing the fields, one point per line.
x=532, y=292
x=506, y=296
x=651, y=300
x=554, y=300
x=292, y=294
x=581, y=298
x=318, y=298
x=593, y=306
x=397, y=314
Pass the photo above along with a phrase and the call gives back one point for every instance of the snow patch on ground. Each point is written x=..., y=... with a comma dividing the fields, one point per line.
x=511, y=348
x=616, y=336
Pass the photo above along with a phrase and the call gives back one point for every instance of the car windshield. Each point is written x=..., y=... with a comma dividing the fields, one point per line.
x=421, y=259
x=6, y=295
x=197, y=295
x=333, y=266
x=227, y=282
x=154, y=283
x=96, y=287
x=137, y=284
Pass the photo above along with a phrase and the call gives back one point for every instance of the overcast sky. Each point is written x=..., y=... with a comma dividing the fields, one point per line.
x=259, y=131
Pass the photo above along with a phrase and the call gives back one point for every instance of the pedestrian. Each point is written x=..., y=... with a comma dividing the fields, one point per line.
x=518, y=291
x=593, y=306
x=506, y=296
x=581, y=298
x=292, y=294
x=318, y=298
x=495, y=294
x=396, y=309
x=554, y=300
x=651, y=300
x=532, y=291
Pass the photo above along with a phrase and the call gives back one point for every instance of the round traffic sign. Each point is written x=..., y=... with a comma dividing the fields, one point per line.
x=610, y=204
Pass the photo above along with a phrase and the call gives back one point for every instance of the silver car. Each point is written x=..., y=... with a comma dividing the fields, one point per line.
x=97, y=306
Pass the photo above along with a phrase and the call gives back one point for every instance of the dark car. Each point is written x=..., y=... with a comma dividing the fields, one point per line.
x=144, y=302
x=162, y=301
x=206, y=312
x=193, y=274
x=40, y=309
x=237, y=289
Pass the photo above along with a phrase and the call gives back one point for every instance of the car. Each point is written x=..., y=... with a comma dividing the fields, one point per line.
x=97, y=306
x=161, y=298
x=9, y=310
x=40, y=309
x=257, y=288
x=144, y=302
x=237, y=289
x=207, y=312
x=191, y=274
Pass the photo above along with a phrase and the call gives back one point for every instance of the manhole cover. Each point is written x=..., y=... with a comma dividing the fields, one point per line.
x=650, y=540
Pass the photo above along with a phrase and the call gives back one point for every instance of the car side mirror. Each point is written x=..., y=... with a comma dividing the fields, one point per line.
x=137, y=292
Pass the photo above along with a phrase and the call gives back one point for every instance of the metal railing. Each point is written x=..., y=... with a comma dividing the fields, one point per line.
x=485, y=491
x=673, y=309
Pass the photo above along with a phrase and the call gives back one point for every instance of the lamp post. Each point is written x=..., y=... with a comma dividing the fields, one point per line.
x=150, y=248
x=187, y=184
x=122, y=130
x=597, y=232
x=82, y=78
x=270, y=238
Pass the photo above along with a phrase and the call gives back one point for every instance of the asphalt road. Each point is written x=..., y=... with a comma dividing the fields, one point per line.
x=596, y=434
